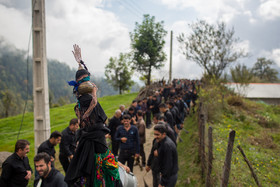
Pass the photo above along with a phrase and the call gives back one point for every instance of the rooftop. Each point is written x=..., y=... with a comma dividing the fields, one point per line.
x=257, y=90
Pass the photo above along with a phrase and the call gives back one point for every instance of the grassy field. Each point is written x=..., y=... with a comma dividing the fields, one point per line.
x=257, y=127
x=60, y=118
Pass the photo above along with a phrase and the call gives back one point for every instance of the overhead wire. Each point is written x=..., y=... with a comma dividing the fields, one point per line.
x=130, y=10
x=27, y=76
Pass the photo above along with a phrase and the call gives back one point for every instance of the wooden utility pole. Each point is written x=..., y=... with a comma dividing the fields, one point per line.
x=170, y=65
x=40, y=74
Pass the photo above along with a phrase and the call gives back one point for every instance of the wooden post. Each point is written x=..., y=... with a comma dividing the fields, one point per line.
x=210, y=157
x=202, y=144
x=249, y=165
x=226, y=169
x=40, y=75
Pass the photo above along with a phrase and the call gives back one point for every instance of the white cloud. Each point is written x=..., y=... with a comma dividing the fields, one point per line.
x=211, y=10
x=15, y=26
x=98, y=32
x=270, y=9
x=276, y=56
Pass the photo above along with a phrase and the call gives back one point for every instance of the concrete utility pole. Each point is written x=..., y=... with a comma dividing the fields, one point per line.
x=170, y=65
x=40, y=74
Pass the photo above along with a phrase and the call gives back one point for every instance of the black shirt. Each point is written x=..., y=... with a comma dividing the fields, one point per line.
x=169, y=119
x=47, y=147
x=14, y=169
x=113, y=125
x=67, y=145
x=54, y=179
x=168, y=159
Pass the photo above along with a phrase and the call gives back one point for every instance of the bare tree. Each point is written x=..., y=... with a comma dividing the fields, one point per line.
x=211, y=47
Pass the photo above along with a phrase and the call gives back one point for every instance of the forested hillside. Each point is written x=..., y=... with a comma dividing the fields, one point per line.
x=16, y=76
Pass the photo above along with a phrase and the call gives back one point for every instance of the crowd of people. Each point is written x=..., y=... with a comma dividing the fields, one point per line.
x=165, y=110
x=83, y=150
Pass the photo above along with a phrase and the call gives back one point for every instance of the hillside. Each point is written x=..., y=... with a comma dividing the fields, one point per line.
x=257, y=127
x=16, y=76
x=59, y=116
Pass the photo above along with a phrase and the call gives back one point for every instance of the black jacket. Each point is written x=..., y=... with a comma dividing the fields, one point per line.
x=113, y=125
x=169, y=119
x=153, y=160
x=54, y=179
x=67, y=145
x=14, y=170
x=168, y=159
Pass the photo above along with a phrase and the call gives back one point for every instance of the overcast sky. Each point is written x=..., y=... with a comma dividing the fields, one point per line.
x=101, y=28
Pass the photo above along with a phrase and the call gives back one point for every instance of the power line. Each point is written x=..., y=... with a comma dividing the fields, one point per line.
x=130, y=10
x=27, y=77
x=133, y=7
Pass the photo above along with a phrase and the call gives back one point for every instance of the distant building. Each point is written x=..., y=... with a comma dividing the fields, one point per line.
x=266, y=92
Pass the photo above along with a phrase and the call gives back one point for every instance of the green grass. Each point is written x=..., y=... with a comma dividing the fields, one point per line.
x=59, y=117
x=189, y=168
x=257, y=127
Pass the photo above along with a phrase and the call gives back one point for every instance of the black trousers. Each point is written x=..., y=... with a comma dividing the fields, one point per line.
x=64, y=160
x=115, y=147
x=156, y=178
x=148, y=119
x=172, y=180
x=127, y=156
x=142, y=154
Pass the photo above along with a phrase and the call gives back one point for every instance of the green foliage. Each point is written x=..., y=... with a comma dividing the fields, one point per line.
x=263, y=70
x=118, y=73
x=147, y=43
x=211, y=46
x=241, y=74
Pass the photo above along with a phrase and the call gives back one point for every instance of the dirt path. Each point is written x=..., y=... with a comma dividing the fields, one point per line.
x=136, y=170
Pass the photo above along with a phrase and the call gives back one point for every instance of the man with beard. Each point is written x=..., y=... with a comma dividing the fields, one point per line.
x=48, y=176
x=16, y=170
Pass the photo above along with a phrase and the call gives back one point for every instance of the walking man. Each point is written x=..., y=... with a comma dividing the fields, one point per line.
x=140, y=124
x=68, y=143
x=114, y=123
x=128, y=137
x=167, y=157
x=16, y=170
x=48, y=145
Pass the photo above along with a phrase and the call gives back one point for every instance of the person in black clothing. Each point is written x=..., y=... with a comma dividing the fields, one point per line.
x=48, y=176
x=149, y=111
x=128, y=137
x=168, y=115
x=153, y=164
x=48, y=145
x=176, y=116
x=68, y=143
x=88, y=166
x=114, y=123
x=167, y=157
x=16, y=170
x=155, y=105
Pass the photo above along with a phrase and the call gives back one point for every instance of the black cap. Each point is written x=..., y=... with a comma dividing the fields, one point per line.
x=81, y=72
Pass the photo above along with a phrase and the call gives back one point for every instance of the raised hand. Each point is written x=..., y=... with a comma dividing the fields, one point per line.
x=77, y=53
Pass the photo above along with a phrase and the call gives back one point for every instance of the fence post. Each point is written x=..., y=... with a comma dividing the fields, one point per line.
x=210, y=157
x=226, y=169
x=249, y=165
x=202, y=144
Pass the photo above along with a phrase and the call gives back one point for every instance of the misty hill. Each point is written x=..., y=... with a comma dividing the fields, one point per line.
x=16, y=75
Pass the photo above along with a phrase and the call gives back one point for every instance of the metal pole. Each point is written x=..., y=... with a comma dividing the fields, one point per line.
x=170, y=65
x=40, y=74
